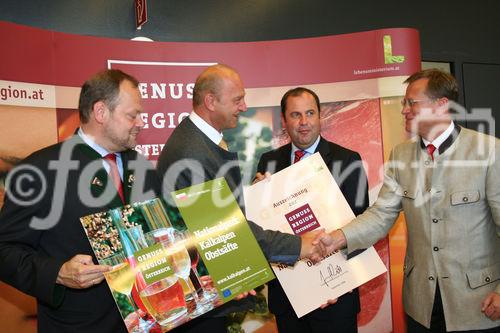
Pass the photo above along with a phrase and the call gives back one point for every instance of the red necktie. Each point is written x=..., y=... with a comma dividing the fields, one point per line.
x=430, y=149
x=115, y=174
x=298, y=155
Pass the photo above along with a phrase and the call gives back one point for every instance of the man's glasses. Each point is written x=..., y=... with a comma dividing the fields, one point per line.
x=412, y=102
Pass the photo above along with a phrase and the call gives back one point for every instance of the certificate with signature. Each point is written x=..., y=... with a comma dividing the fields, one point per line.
x=299, y=199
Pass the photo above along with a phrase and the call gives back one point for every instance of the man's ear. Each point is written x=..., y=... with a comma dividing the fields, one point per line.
x=443, y=105
x=99, y=112
x=209, y=101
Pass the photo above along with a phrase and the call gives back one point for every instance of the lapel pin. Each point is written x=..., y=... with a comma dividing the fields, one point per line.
x=96, y=181
x=131, y=180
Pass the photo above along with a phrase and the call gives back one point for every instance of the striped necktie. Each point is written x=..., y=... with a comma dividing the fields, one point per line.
x=298, y=155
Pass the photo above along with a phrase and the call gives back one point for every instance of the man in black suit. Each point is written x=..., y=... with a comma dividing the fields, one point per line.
x=44, y=251
x=196, y=152
x=300, y=108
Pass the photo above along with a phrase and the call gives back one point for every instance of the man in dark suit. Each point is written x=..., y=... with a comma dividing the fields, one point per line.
x=196, y=152
x=44, y=251
x=300, y=108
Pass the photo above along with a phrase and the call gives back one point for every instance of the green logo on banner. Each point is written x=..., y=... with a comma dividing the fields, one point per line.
x=388, y=57
x=153, y=263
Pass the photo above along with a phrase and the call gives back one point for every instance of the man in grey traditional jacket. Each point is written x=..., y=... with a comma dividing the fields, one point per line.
x=446, y=180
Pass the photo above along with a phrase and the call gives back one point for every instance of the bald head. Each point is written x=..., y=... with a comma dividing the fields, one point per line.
x=211, y=80
x=219, y=97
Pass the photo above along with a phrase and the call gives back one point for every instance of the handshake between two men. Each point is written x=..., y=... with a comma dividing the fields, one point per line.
x=318, y=243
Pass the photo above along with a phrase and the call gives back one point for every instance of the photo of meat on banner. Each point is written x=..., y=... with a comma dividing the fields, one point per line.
x=302, y=198
x=165, y=272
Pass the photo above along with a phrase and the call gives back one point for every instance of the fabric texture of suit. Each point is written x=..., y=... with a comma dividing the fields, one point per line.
x=348, y=172
x=197, y=159
x=452, y=211
x=32, y=253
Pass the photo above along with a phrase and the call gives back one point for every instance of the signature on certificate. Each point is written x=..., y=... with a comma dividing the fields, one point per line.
x=332, y=272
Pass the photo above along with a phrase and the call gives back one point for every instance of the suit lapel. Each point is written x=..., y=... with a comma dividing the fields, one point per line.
x=284, y=160
x=99, y=183
x=128, y=176
x=325, y=151
x=99, y=180
x=87, y=155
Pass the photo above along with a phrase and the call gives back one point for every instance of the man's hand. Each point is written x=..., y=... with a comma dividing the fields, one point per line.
x=312, y=247
x=245, y=294
x=333, y=241
x=491, y=306
x=329, y=302
x=80, y=272
x=259, y=177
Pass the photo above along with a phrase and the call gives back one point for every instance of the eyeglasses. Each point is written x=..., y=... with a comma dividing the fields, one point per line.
x=412, y=102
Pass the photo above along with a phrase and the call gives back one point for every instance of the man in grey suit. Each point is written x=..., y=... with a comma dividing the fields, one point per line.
x=447, y=182
x=196, y=152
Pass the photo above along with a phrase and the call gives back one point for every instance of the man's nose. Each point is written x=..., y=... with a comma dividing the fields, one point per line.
x=405, y=109
x=303, y=119
x=139, y=122
x=243, y=107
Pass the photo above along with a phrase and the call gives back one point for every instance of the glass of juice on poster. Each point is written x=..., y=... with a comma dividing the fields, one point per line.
x=164, y=300
x=121, y=279
x=183, y=260
x=176, y=246
x=207, y=296
x=163, y=295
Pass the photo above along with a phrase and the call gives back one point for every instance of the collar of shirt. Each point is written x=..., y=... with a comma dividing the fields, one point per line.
x=440, y=139
x=203, y=126
x=308, y=151
x=102, y=151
